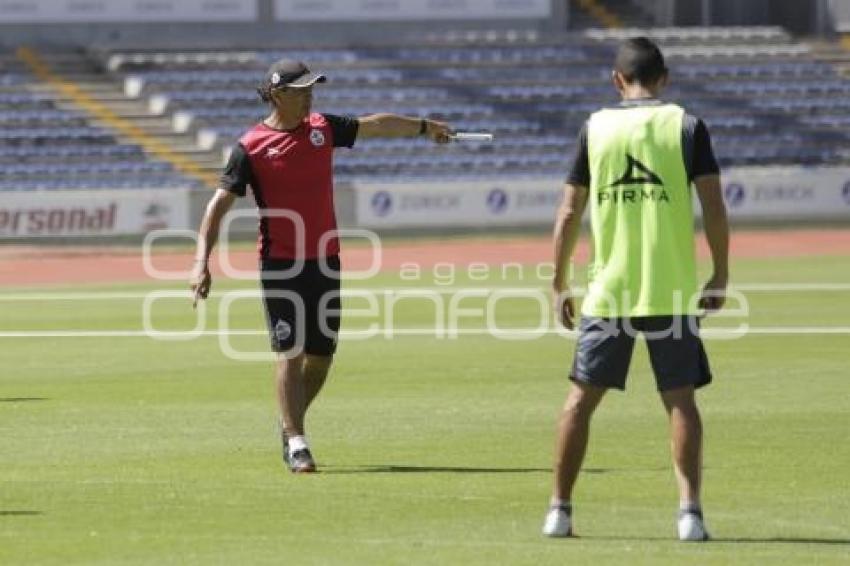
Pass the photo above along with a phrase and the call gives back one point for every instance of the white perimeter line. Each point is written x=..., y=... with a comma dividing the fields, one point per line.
x=108, y=296
x=379, y=333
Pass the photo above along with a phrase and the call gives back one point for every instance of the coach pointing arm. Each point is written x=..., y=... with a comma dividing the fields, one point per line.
x=393, y=126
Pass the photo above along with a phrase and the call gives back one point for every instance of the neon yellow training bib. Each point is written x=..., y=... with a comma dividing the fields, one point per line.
x=641, y=214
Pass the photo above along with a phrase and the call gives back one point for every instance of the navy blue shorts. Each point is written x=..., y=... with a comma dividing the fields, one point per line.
x=605, y=346
x=302, y=308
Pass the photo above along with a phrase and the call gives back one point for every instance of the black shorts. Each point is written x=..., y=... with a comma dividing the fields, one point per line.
x=605, y=345
x=302, y=307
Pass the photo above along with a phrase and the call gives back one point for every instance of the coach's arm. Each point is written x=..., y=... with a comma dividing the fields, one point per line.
x=716, y=227
x=394, y=126
x=201, y=280
x=567, y=226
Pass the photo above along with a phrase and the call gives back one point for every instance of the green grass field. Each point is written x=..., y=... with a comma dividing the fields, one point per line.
x=126, y=450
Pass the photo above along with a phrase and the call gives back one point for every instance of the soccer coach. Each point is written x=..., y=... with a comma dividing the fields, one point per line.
x=636, y=163
x=287, y=160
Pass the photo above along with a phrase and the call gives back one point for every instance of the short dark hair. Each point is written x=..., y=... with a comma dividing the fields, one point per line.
x=640, y=60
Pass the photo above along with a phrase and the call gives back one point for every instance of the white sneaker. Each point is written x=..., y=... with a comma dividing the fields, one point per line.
x=558, y=523
x=692, y=527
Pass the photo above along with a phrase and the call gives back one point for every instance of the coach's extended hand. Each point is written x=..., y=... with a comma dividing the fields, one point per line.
x=439, y=132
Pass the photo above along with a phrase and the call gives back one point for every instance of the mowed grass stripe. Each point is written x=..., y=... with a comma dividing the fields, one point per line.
x=434, y=451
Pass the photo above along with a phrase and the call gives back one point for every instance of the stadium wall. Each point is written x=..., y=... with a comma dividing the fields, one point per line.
x=96, y=213
x=806, y=17
x=839, y=12
x=754, y=195
x=223, y=23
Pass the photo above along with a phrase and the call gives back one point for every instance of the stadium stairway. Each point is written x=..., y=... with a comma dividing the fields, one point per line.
x=83, y=86
x=585, y=14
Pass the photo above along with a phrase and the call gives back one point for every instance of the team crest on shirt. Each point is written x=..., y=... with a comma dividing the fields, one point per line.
x=317, y=138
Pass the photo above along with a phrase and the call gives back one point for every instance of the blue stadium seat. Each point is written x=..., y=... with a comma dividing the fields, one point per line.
x=534, y=94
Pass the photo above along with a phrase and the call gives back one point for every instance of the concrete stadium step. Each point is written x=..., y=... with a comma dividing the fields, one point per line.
x=204, y=160
x=192, y=149
x=151, y=124
x=98, y=88
x=131, y=110
x=158, y=127
x=213, y=166
x=94, y=83
x=69, y=67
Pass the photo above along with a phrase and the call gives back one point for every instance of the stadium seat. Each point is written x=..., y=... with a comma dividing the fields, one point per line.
x=533, y=90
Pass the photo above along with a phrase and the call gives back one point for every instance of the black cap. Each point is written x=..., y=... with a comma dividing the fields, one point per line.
x=290, y=74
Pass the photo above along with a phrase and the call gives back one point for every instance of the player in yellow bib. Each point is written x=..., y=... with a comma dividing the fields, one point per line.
x=635, y=167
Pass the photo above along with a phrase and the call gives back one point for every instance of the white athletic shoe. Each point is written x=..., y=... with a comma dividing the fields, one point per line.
x=559, y=522
x=692, y=527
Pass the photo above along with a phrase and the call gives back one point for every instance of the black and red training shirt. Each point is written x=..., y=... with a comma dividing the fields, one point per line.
x=292, y=170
